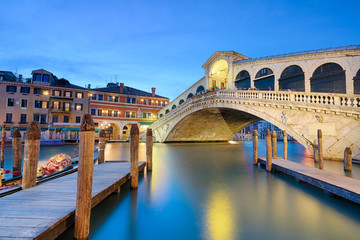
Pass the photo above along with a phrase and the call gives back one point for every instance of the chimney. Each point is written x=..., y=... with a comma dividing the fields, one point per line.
x=153, y=91
x=20, y=77
x=121, y=87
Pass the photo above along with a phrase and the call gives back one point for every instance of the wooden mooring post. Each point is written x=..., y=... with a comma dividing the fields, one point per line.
x=2, y=145
x=255, y=147
x=149, y=149
x=134, y=156
x=268, y=151
x=31, y=155
x=285, y=144
x=84, y=178
x=274, y=144
x=320, y=149
x=347, y=159
x=102, y=137
x=16, y=146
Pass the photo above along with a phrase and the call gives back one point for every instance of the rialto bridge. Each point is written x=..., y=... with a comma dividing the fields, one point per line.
x=299, y=92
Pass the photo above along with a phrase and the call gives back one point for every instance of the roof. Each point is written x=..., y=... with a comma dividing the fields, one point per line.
x=322, y=50
x=62, y=82
x=127, y=90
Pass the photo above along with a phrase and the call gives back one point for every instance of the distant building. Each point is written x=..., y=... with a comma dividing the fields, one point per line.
x=116, y=107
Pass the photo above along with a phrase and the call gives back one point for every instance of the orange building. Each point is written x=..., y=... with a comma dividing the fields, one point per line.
x=116, y=107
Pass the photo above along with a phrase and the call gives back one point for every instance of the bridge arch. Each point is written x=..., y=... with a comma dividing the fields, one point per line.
x=190, y=95
x=200, y=89
x=173, y=107
x=218, y=74
x=243, y=80
x=292, y=77
x=328, y=77
x=264, y=79
x=357, y=82
x=181, y=101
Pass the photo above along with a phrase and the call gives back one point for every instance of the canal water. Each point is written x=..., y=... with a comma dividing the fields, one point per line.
x=212, y=191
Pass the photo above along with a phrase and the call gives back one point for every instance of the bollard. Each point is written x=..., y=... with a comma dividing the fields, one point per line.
x=2, y=145
x=316, y=153
x=31, y=155
x=268, y=151
x=274, y=144
x=102, y=136
x=84, y=178
x=134, y=155
x=149, y=148
x=347, y=159
x=320, y=150
x=285, y=144
x=255, y=147
x=16, y=146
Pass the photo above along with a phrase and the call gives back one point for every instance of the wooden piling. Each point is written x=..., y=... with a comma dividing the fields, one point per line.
x=285, y=144
x=316, y=153
x=347, y=159
x=268, y=151
x=274, y=144
x=255, y=147
x=2, y=145
x=16, y=146
x=149, y=149
x=102, y=137
x=84, y=178
x=31, y=155
x=134, y=155
x=320, y=149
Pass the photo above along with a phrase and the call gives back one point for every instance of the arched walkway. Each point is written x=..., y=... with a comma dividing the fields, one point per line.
x=218, y=74
x=330, y=78
x=292, y=78
x=242, y=80
x=357, y=83
x=264, y=79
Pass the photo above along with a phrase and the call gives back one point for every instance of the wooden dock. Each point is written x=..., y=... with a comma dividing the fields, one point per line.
x=47, y=210
x=346, y=187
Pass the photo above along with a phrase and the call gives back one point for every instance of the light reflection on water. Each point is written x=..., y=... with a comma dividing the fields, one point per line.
x=212, y=191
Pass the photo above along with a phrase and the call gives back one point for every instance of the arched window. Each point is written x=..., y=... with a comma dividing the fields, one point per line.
x=167, y=111
x=161, y=115
x=173, y=106
x=292, y=78
x=181, y=101
x=357, y=83
x=329, y=77
x=200, y=89
x=242, y=80
x=264, y=79
x=190, y=95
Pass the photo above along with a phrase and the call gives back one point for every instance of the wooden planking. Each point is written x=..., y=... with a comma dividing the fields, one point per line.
x=346, y=187
x=47, y=210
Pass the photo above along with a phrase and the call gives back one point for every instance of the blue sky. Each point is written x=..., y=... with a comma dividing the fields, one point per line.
x=162, y=44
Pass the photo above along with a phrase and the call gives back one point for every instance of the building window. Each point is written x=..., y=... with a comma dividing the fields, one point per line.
x=37, y=77
x=93, y=111
x=149, y=101
x=8, y=118
x=44, y=104
x=116, y=99
x=93, y=97
x=78, y=106
x=79, y=95
x=22, y=118
x=56, y=105
x=38, y=104
x=110, y=113
x=110, y=99
x=10, y=102
x=55, y=118
x=66, y=119
x=116, y=113
x=11, y=89
x=66, y=107
x=36, y=117
x=56, y=93
x=99, y=112
x=46, y=78
x=146, y=115
x=130, y=114
x=101, y=97
x=128, y=99
x=37, y=91
x=133, y=100
x=78, y=119
x=67, y=94
x=144, y=101
x=24, y=103
x=25, y=90
x=43, y=119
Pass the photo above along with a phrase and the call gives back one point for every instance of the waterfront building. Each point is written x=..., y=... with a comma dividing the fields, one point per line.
x=116, y=106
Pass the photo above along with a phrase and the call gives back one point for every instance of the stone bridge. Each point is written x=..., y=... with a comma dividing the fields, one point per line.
x=299, y=92
x=220, y=114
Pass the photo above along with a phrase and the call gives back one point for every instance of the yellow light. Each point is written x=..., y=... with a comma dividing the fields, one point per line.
x=218, y=72
x=113, y=97
x=157, y=101
x=90, y=94
x=46, y=93
x=154, y=116
x=152, y=100
x=142, y=100
x=105, y=122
